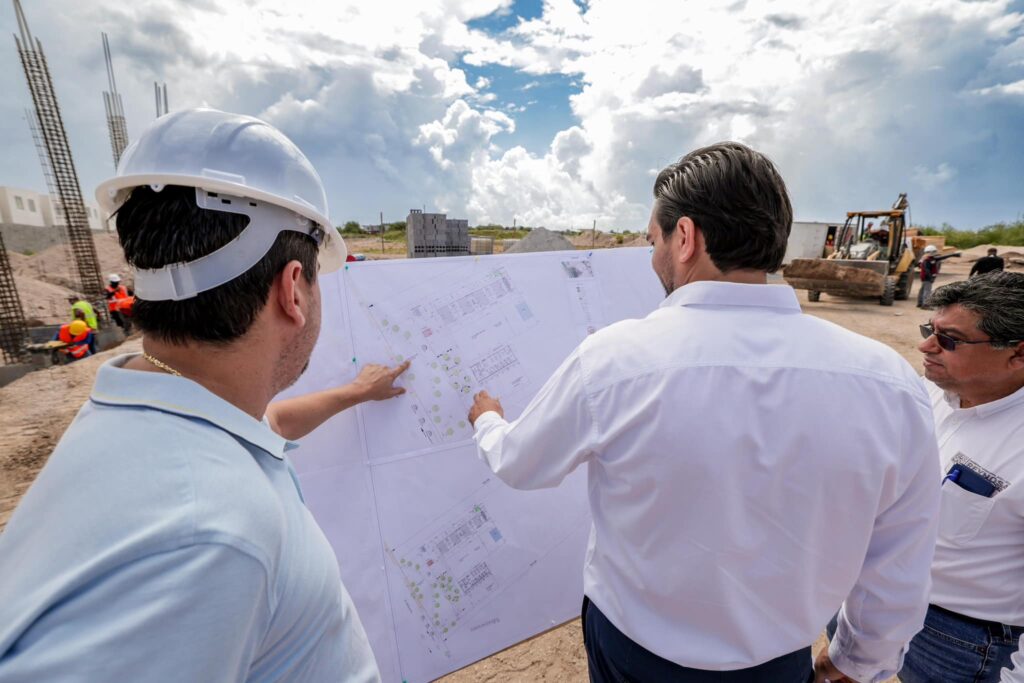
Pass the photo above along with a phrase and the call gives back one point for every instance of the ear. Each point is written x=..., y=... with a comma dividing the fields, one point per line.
x=291, y=297
x=1017, y=359
x=688, y=239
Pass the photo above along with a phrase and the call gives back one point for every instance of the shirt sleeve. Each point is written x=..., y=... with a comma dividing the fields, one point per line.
x=197, y=613
x=555, y=433
x=887, y=605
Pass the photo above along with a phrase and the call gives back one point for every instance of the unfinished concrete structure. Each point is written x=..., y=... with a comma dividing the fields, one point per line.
x=62, y=166
x=434, y=234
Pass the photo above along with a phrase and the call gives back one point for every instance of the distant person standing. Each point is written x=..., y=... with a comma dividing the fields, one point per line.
x=741, y=484
x=989, y=263
x=930, y=265
x=117, y=297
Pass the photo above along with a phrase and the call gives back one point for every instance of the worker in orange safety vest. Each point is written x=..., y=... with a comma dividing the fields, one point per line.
x=119, y=302
x=78, y=338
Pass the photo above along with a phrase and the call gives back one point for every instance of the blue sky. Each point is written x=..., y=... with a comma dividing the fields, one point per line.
x=560, y=112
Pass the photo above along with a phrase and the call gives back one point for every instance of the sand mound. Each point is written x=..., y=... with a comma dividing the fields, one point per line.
x=43, y=300
x=541, y=239
x=1007, y=252
x=587, y=240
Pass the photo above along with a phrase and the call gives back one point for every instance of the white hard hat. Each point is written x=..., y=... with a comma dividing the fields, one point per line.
x=931, y=249
x=113, y=277
x=237, y=164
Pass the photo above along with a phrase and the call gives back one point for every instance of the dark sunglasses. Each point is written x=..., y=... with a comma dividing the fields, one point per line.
x=949, y=343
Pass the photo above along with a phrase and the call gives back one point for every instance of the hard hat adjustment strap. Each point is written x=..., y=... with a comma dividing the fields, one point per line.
x=178, y=281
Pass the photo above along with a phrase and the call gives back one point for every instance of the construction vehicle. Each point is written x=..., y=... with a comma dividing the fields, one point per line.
x=869, y=260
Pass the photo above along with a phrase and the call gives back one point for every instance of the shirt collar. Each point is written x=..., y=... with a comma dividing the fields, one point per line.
x=990, y=408
x=116, y=386
x=709, y=293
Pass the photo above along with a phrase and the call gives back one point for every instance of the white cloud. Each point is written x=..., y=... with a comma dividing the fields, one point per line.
x=932, y=178
x=854, y=101
x=1015, y=89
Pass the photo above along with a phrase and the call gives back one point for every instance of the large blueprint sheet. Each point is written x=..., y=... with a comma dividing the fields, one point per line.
x=445, y=563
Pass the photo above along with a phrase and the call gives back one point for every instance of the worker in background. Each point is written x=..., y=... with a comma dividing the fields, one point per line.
x=184, y=551
x=82, y=310
x=117, y=294
x=78, y=339
x=974, y=363
x=879, y=236
x=728, y=525
x=930, y=264
x=986, y=264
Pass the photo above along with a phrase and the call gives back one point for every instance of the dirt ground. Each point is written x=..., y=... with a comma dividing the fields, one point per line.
x=35, y=410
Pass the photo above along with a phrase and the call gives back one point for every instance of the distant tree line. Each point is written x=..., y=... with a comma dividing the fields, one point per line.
x=1010, y=234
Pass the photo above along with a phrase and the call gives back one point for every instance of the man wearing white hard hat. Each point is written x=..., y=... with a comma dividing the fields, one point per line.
x=184, y=551
x=930, y=264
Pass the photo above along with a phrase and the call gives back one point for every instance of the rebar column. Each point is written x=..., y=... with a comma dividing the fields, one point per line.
x=13, y=331
x=85, y=262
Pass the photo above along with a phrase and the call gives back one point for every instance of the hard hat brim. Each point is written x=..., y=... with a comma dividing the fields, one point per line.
x=112, y=193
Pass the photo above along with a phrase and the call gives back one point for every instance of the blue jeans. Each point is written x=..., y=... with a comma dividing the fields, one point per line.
x=952, y=648
x=613, y=658
x=955, y=649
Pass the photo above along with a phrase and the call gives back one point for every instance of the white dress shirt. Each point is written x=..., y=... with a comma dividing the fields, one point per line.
x=750, y=467
x=979, y=558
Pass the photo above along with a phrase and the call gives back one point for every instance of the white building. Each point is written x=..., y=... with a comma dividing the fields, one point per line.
x=22, y=207
x=55, y=215
x=19, y=206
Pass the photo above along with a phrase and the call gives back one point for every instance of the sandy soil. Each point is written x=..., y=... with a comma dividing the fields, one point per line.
x=44, y=280
x=37, y=408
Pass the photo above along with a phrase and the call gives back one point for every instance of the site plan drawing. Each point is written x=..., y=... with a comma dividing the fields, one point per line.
x=445, y=563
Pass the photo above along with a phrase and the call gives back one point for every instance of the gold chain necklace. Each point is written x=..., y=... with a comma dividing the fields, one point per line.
x=160, y=364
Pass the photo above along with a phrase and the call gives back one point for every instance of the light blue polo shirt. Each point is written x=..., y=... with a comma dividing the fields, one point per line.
x=166, y=540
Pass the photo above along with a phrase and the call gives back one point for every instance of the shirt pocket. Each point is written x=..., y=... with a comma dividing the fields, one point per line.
x=962, y=514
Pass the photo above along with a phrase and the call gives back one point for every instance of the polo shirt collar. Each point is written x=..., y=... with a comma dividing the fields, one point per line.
x=990, y=408
x=710, y=293
x=116, y=386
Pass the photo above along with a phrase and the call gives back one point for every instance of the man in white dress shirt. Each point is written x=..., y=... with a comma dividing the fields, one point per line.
x=743, y=481
x=974, y=357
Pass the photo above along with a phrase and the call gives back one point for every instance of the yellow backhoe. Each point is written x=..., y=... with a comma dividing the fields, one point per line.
x=871, y=258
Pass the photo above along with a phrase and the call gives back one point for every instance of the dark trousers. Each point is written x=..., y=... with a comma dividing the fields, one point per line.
x=613, y=658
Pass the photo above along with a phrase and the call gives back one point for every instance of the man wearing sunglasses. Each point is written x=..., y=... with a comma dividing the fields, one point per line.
x=974, y=358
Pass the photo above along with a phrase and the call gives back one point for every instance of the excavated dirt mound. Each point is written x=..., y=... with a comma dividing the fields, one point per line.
x=541, y=239
x=45, y=280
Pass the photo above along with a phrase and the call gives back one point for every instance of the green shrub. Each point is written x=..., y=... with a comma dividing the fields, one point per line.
x=1009, y=234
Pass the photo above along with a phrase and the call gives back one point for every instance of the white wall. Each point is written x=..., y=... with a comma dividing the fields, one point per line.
x=97, y=219
x=19, y=206
x=806, y=240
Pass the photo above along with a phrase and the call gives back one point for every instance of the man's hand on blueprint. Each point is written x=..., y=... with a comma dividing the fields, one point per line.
x=484, y=403
x=376, y=382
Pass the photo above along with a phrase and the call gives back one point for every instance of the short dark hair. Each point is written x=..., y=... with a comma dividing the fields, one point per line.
x=996, y=297
x=737, y=199
x=993, y=251
x=158, y=228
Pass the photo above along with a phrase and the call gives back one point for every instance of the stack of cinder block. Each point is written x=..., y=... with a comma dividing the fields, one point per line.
x=481, y=245
x=434, y=234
